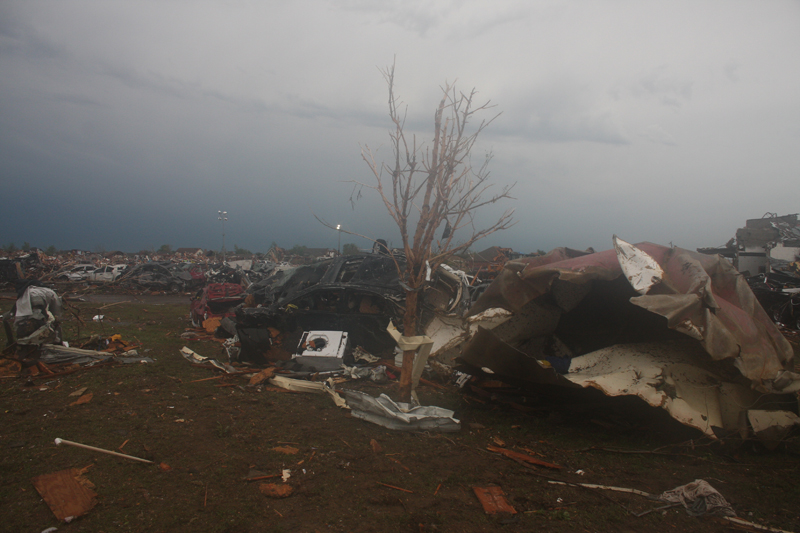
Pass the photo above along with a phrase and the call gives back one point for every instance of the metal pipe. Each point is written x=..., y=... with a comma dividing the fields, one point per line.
x=101, y=450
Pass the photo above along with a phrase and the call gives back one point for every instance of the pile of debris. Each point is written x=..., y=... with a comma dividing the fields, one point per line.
x=680, y=330
x=34, y=342
x=22, y=265
x=779, y=294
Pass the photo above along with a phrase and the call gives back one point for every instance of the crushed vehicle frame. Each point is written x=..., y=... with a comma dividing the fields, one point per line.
x=359, y=294
x=151, y=276
x=215, y=300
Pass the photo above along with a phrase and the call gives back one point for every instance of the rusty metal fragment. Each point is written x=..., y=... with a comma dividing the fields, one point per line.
x=493, y=500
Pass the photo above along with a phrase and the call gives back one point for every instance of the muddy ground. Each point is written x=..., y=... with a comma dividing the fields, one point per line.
x=347, y=474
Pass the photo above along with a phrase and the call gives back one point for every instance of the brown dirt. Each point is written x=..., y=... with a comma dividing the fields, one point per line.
x=211, y=434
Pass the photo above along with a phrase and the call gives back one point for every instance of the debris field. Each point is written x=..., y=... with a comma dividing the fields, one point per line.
x=633, y=389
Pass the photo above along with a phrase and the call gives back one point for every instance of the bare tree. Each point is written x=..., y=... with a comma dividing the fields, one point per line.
x=425, y=188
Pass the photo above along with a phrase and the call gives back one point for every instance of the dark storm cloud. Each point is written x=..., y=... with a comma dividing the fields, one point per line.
x=130, y=124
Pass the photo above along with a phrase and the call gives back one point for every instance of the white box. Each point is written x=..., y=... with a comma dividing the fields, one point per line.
x=330, y=356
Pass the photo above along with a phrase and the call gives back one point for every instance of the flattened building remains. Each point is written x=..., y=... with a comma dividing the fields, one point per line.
x=764, y=244
x=767, y=252
x=679, y=329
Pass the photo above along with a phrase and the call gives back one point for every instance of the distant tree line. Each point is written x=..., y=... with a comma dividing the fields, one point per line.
x=26, y=246
x=165, y=249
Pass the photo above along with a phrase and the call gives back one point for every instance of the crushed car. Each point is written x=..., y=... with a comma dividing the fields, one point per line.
x=191, y=274
x=76, y=273
x=243, y=272
x=227, y=273
x=680, y=330
x=106, y=273
x=153, y=276
x=359, y=294
x=215, y=300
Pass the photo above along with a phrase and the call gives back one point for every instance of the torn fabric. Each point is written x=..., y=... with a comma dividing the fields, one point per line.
x=35, y=300
x=699, y=498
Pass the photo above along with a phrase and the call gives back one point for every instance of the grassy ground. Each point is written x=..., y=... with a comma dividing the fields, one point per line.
x=212, y=433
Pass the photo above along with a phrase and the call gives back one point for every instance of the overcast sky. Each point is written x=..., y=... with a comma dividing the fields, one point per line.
x=129, y=124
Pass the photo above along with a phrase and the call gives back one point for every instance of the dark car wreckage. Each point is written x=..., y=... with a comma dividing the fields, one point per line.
x=161, y=276
x=359, y=294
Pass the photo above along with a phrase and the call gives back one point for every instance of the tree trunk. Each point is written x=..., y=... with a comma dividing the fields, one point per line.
x=409, y=330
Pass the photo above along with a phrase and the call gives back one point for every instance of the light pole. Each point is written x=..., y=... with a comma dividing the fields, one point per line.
x=339, y=246
x=223, y=216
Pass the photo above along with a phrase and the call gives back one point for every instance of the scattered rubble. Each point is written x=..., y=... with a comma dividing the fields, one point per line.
x=679, y=330
x=779, y=295
x=692, y=340
x=155, y=276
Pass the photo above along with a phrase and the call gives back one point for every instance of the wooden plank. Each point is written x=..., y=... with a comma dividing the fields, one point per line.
x=65, y=494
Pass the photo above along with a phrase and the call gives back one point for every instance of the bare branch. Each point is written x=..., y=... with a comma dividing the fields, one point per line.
x=433, y=185
x=331, y=226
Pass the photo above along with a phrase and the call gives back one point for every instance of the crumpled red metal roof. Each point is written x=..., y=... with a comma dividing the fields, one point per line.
x=701, y=296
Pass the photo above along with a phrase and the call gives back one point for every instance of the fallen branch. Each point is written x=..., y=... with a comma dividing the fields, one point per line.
x=114, y=303
x=67, y=372
x=211, y=367
x=257, y=478
x=607, y=487
x=522, y=457
x=656, y=452
x=749, y=526
x=399, y=463
x=531, y=470
x=205, y=379
x=663, y=507
x=396, y=488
